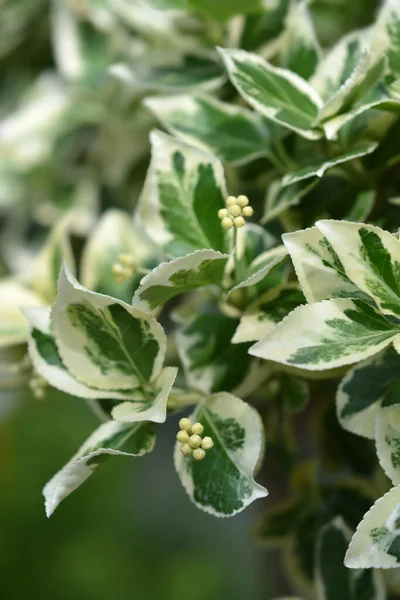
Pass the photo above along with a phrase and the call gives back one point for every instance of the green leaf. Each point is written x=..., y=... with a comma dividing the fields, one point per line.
x=386, y=34
x=184, y=189
x=318, y=268
x=222, y=483
x=232, y=133
x=262, y=316
x=300, y=52
x=47, y=361
x=278, y=94
x=115, y=234
x=279, y=522
x=333, y=580
x=363, y=389
x=110, y=439
x=211, y=362
x=295, y=392
x=104, y=342
x=225, y=8
x=327, y=334
x=367, y=73
x=376, y=543
x=14, y=328
x=371, y=259
x=196, y=270
x=320, y=169
x=363, y=205
x=153, y=408
x=280, y=198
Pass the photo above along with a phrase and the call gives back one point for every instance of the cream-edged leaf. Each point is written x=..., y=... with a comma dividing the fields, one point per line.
x=47, y=362
x=105, y=343
x=385, y=35
x=318, y=268
x=327, y=334
x=376, y=542
x=184, y=189
x=278, y=94
x=14, y=328
x=232, y=133
x=371, y=259
x=320, y=169
x=201, y=268
x=362, y=391
x=387, y=437
x=155, y=408
x=261, y=266
x=222, y=484
x=110, y=439
x=115, y=234
x=300, y=50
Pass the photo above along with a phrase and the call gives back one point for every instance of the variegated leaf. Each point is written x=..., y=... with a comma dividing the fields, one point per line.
x=184, y=189
x=278, y=94
x=201, y=268
x=154, y=406
x=14, y=328
x=280, y=198
x=110, y=439
x=115, y=234
x=365, y=387
x=371, y=260
x=222, y=484
x=47, y=362
x=211, y=362
x=318, y=268
x=232, y=133
x=387, y=437
x=327, y=334
x=300, y=52
x=376, y=543
x=366, y=74
x=264, y=314
x=260, y=267
x=385, y=36
x=104, y=342
x=333, y=580
x=320, y=169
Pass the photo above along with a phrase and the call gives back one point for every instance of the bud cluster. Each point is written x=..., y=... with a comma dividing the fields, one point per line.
x=235, y=211
x=38, y=386
x=124, y=268
x=190, y=440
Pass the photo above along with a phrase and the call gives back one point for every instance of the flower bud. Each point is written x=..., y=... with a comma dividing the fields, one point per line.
x=197, y=428
x=239, y=222
x=185, y=424
x=207, y=443
x=235, y=210
x=230, y=200
x=198, y=454
x=227, y=223
x=194, y=441
x=186, y=449
x=247, y=211
x=222, y=213
x=242, y=201
x=182, y=436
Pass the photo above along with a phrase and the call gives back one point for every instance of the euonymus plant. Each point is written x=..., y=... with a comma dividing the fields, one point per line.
x=247, y=286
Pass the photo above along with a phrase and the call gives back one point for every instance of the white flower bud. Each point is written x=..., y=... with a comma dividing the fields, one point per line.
x=242, y=201
x=127, y=260
x=207, y=443
x=194, y=441
x=182, y=436
x=239, y=222
x=197, y=428
x=186, y=449
x=198, y=454
x=227, y=223
x=230, y=200
x=222, y=213
x=235, y=210
x=247, y=211
x=185, y=424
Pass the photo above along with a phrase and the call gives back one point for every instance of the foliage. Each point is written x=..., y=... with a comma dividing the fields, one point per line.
x=147, y=294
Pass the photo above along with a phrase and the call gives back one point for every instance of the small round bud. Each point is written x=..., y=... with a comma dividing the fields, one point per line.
x=227, y=223
x=194, y=441
x=182, y=436
x=197, y=428
x=235, y=210
x=222, y=213
x=185, y=424
x=239, y=222
x=118, y=269
x=127, y=260
x=247, y=211
x=207, y=443
x=198, y=454
x=242, y=201
x=186, y=449
x=230, y=201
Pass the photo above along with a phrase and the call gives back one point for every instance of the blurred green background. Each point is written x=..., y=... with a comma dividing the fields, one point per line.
x=129, y=532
